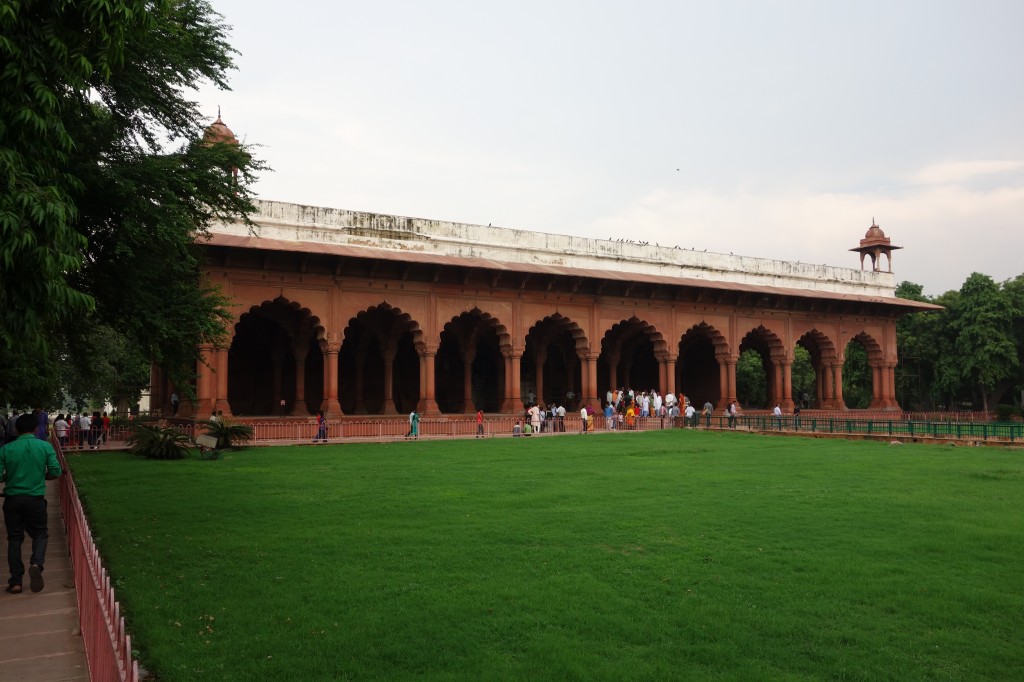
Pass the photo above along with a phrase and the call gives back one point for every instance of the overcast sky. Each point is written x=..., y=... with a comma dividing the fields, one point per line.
x=773, y=129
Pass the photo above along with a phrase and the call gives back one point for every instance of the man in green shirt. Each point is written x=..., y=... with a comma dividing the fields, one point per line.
x=26, y=463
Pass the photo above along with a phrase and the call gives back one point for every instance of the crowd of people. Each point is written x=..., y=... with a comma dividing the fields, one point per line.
x=622, y=409
x=78, y=431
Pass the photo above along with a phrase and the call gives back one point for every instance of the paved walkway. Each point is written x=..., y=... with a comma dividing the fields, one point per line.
x=40, y=639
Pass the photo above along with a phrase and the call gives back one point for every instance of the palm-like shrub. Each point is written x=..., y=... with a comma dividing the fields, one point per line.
x=228, y=435
x=155, y=442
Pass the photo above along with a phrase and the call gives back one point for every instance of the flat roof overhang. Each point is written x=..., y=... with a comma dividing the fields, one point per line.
x=420, y=257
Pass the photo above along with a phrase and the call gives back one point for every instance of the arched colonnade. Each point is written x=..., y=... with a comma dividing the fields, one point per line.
x=456, y=355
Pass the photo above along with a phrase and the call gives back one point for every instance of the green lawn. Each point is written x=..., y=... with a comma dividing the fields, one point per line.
x=662, y=555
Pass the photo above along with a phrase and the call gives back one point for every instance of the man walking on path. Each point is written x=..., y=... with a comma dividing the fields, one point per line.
x=25, y=466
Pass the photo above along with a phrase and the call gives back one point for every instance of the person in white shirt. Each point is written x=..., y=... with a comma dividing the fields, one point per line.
x=691, y=415
x=777, y=413
x=60, y=427
x=85, y=431
x=583, y=418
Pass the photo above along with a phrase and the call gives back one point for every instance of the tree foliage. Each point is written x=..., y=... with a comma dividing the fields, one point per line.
x=751, y=380
x=856, y=376
x=984, y=335
x=968, y=354
x=803, y=376
x=107, y=187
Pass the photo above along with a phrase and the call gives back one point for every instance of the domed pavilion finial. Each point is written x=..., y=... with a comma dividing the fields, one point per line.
x=874, y=245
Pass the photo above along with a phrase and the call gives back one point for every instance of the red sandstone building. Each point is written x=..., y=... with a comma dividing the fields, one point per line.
x=369, y=314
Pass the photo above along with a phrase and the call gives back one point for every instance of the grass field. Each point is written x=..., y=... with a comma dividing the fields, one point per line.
x=662, y=555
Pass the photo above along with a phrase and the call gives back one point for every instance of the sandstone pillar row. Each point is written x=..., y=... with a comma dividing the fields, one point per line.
x=205, y=386
x=787, y=386
x=428, y=396
x=723, y=384
x=513, y=401
x=730, y=369
x=331, y=404
x=589, y=376
x=221, y=401
x=837, y=371
x=389, y=380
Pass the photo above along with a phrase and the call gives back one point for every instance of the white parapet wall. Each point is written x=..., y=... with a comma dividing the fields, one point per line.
x=313, y=225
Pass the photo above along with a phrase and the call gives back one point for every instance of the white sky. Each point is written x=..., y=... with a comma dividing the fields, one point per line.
x=774, y=129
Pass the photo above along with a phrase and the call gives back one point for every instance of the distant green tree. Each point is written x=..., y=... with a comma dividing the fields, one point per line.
x=856, y=377
x=1014, y=289
x=113, y=372
x=751, y=382
x=985, y=346
x=947, y=387
x=803, y=376
x=920, y=339
x=106, y=188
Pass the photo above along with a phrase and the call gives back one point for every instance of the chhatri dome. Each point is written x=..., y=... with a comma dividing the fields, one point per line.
x=874, y=245
x=218, y=132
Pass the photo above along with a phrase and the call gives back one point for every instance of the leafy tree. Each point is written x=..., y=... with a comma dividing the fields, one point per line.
x=919, y=337
x=856, y=377
x=751, y=381
x=113, y=370
x=985, y=346
x=803, y=379
x=1014, y=289
x=106, y=186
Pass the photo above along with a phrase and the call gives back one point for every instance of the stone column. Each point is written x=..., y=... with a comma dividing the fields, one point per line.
x=730, y=368
x=389, y=379
x=779, y=382
x=330, y=404
x=876, y=387
x=299, y=406
x=888, y=372
x=513, y=402
x=467, y=386
x=205, y=386
x=428, y=398
x=723, y=383
x=662, y=374
x=221, y=404
x=670, y=374
x=787, y=386
x=819, y=385
x=589, y=375
x=837, y=371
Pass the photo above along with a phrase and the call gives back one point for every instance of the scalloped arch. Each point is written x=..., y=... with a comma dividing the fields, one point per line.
x=579, y=337
x=649, y=330
x=487, y=320
x=709, y=332
x=820, y=341
x=405, y=321
x=271, y=307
